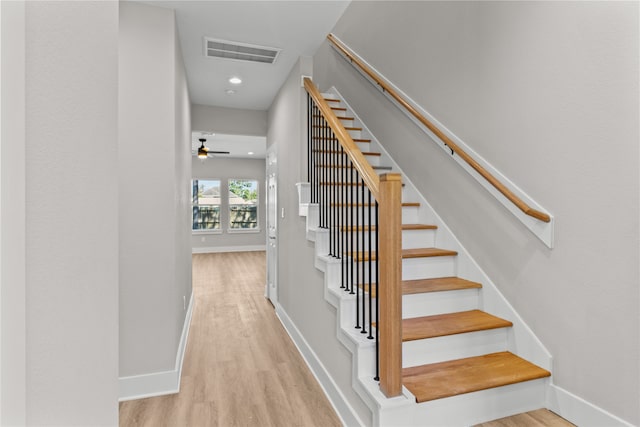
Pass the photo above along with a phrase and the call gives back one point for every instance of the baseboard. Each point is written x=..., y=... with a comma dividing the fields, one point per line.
x=215, y=249
x=158, y=383
x=344, y=411
x=579, y=411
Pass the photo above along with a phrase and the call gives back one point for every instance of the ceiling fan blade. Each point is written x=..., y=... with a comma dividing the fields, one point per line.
x=218, y=152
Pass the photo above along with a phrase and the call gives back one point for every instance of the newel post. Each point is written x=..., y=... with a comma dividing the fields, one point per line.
x=390, y=287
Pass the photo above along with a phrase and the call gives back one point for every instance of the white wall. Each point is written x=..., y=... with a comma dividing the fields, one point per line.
x=232, y=121
x=12, y=213
x=547, y=92
x=225, y=169
x=154, y=173
x=300, y=284
x=71, y=84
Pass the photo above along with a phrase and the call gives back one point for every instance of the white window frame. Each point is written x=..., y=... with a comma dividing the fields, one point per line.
x=218, y=230
x=243, y=230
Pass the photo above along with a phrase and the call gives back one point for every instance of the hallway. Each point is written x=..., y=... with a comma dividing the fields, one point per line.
x=240, y=367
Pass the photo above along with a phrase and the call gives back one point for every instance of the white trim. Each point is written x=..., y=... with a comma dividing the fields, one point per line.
x=159, y=383
x=206, y=232
x=542, y=230
x=580, y=412
x=243, y=230
x=216, y=249
x=345, y=412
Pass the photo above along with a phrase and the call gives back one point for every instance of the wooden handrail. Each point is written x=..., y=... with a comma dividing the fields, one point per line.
x=524, y=207
x=369, y=176
x=387, y=190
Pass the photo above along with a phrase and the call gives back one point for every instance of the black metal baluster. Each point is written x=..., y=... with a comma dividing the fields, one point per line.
x=377, y=377
x=343, y=223
x=357, y=283
x=372, y=227
x=363, y=264
x=352, y=243
x=309, y=141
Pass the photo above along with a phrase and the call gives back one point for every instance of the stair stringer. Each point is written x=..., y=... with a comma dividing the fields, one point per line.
x=521, y=339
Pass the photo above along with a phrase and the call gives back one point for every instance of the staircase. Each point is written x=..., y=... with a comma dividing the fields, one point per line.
x=465, y=351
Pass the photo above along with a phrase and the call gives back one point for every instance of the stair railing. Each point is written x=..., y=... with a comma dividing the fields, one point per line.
x=455, y=148
x=363, y=216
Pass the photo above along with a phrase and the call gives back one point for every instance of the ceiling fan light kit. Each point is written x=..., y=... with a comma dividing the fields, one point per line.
x=203, y=152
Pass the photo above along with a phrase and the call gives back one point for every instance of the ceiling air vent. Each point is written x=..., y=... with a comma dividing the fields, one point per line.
x=226, y=49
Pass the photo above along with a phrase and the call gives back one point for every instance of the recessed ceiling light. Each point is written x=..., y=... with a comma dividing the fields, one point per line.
x=250, y=153
x=235, y=80
x=229, y=91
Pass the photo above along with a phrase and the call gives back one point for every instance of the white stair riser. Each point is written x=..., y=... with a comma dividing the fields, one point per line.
x=452, y=347
x=410, y=215
x=412, y=239
x=432, y=303
x=469, y=408
x=428, y=268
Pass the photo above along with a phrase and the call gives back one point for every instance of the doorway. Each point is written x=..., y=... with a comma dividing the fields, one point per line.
x=271, y=291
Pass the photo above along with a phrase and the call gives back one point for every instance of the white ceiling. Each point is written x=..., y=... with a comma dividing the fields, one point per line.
x=298, y=27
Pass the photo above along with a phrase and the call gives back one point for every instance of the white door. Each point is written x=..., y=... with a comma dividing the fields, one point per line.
x=271, y=290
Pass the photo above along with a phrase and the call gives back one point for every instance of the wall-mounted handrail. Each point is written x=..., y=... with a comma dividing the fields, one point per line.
x=518, y=202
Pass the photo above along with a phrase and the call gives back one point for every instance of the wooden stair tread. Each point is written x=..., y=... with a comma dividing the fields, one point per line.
x=404, y=204
x=332, y=100
x=406, y=253
x=337, y=117
x=326, y=138
x=455, y=377
x=404, y=227
x=357, y=184
x=440, y=325
x=346, y=127
x=333, y=166
x=427, y=252
x=339, y=108
x=365, y=153
x=438, y=284
x=421, y=286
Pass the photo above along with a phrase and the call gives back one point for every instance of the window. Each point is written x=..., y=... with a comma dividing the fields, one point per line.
x=243, y=204
x=206, y=204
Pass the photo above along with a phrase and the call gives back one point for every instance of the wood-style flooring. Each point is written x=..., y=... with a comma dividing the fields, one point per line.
x=539, y=418
x=240, y=367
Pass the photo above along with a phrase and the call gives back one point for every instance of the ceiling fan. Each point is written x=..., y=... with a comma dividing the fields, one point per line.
x=204, y=152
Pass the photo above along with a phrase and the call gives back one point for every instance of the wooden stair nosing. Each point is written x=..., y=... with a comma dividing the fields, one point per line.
x=325, y=138
x=406, y=253
x=440, y=325
x=340, y=183
x=423, y=286
x=438, y=284
x=365, y=153
x=346, y=127
x=404, y=227
x=455, y=377
x=323, y=166
x=337, y=117
x=404, y=204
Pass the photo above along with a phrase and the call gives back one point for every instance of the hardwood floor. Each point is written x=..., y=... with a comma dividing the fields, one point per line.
x=240, y=367
x=539, y=418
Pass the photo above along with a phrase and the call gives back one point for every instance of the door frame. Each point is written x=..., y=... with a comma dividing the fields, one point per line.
x=271, y=292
